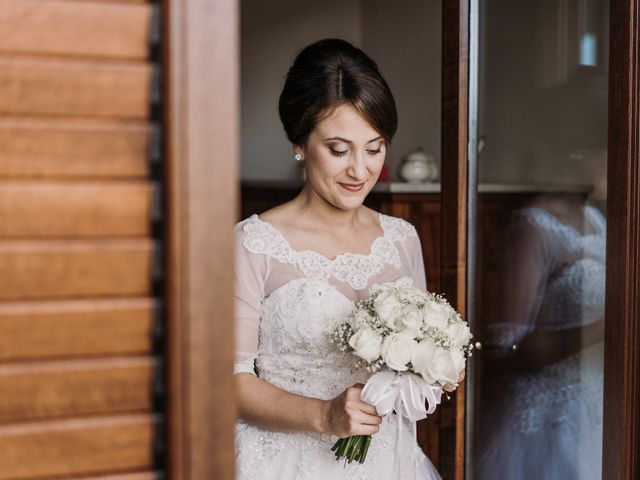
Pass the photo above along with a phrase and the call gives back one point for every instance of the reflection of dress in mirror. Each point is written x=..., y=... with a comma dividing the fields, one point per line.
x=544, y=417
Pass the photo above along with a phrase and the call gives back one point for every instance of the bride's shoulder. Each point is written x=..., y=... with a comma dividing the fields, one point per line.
x=398, y=227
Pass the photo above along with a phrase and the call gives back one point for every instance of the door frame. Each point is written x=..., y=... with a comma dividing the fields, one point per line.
x=455, y=168
x=621, y=422
x=201, y=139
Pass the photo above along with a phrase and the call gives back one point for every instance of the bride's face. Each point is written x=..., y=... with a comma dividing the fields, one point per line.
x=343, y=158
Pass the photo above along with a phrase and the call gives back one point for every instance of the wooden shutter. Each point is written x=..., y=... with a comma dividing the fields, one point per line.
x=77, y=243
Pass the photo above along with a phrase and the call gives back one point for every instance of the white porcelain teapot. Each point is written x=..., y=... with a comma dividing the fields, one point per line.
x=419, y=166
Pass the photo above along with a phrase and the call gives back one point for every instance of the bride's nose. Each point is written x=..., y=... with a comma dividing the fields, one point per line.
x=357, y=166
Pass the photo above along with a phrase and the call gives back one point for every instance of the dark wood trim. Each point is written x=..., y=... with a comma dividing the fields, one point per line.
x=201, y=64
x=621, y=455
x=455, y=76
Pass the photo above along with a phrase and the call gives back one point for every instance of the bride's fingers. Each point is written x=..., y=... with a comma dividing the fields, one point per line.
x=367, y=419
x=367, y=408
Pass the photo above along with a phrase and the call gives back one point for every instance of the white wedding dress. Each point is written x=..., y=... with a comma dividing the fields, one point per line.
x=287, y=304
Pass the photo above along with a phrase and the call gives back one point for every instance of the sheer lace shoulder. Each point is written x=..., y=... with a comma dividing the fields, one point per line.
x=399, y=228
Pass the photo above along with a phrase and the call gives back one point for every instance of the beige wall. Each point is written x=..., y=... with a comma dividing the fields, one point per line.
x=543, y=122
x=406, y=43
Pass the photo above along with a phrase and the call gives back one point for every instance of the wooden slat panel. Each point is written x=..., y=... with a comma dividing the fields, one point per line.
x=38, y=330
x=36, y=148
x=37, y=391
x=58, y=87
x=63, y=27
x=76, y=447
x=54, y=269
x=73, y=209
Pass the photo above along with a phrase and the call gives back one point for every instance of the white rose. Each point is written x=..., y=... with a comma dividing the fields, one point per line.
x=381, y=287
x=436, y=314
x=387, y=306
x=447, y=365
x=422, y=359
x=410, y=320
x=460, y=334
x=396, y=351
x=366, y=344
x=437, y=365
x=414, y=295
x=459, y=362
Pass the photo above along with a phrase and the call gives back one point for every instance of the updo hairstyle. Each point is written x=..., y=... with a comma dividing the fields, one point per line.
x=330, y=73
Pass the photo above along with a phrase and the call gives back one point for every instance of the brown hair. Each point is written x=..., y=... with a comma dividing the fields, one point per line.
x=329, y=73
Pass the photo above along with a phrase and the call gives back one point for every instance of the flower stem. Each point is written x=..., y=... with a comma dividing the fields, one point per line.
x=352, y=448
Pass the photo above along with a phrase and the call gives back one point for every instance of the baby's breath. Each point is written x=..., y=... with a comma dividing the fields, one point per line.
x=440, y=338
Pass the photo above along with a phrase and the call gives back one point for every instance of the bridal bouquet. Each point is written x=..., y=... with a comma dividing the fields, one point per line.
x=414, y=342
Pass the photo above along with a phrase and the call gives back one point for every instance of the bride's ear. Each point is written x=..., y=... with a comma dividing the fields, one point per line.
x=298, y=152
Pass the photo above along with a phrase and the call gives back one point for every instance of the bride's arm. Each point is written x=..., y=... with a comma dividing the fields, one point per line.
x=272, y=408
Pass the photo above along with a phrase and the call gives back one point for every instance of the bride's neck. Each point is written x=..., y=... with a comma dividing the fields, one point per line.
x=322, y=213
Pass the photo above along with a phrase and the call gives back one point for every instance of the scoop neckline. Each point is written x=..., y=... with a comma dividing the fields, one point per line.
x=372, y=246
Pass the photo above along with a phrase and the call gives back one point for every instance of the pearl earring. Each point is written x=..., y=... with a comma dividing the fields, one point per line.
x=298, y=157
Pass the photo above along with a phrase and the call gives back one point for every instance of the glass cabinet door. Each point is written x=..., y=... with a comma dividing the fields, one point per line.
x=536, y=380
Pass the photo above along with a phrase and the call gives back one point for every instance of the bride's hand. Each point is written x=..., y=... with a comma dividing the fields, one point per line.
x=348, y=415
x=450, y=388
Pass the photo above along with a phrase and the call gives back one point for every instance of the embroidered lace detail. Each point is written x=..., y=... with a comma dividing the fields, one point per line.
x=353, y=268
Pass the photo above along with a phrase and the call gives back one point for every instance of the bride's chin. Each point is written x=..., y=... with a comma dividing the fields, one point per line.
x=351, y=204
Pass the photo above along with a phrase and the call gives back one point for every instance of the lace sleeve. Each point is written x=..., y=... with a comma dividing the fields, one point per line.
x=408, y=243
x=417, y=264
x=251, y=271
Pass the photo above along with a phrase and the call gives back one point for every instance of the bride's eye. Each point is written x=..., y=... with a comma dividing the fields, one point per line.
x=338, y=153
x=374, y=152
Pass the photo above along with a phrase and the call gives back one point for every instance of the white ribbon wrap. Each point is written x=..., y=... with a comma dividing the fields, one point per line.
x=411, y=398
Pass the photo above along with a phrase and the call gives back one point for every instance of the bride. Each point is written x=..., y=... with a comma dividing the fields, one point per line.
x=301, y=266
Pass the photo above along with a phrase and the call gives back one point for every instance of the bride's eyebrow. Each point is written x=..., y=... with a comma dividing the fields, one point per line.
x=379, y=137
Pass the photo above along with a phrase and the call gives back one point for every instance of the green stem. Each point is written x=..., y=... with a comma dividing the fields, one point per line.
x=352, y=448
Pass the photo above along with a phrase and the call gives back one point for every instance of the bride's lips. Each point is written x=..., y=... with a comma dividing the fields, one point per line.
x=352, y=187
